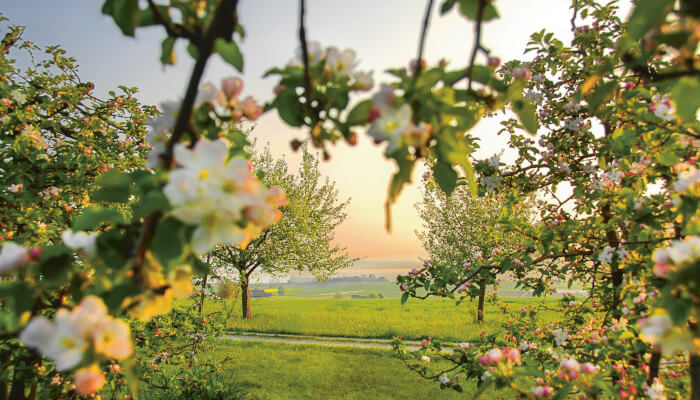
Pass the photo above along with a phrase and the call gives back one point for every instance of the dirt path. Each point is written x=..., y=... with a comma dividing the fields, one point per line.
x=319, y=340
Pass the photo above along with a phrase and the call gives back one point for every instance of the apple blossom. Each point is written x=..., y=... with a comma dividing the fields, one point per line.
x=341, y=62
x=14, y=188
x=390, y=125
x=12, y=256
x=80, y=241
x=542, y=392
x=363, y=80
x=655, y=391
x=89, y=380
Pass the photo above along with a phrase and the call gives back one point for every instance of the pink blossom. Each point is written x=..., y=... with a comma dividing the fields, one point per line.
x=589, y=368
x=542, y=392
x=232, y=87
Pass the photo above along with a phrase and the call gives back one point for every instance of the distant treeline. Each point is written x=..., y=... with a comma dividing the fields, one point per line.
x=341, y=279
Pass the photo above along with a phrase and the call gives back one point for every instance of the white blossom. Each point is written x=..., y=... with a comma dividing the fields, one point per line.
x=12, y=256
x=80, y=241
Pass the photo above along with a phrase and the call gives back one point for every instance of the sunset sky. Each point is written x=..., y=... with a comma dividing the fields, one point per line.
x=383, y=33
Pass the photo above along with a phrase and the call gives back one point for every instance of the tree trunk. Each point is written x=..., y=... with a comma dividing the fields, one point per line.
x=695, y=376
x=201, y=307
x=17, y=391
x=245, y=296
x=654, y=364
x=480, y=306
x=4, y=358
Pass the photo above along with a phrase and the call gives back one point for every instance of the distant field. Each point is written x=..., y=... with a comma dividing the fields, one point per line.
x=386, y=289
x=372, y=318
x=295, y=372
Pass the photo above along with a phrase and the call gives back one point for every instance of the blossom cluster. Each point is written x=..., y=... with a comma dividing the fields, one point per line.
x=86, y=328
x=391, y=122
x=222, y=198
x=342, y=63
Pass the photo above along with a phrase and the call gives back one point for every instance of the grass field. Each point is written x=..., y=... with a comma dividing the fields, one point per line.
x=372, y=318
x=288, y=372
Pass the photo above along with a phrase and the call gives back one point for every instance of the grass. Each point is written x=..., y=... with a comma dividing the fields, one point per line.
x=273, y=371
x=373, y=318
x=387, y=289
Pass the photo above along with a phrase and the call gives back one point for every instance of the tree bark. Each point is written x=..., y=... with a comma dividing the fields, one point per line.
x=695, y=376
x=4, y=358
x=245, y=296
x=654, y=364
x=480, y=306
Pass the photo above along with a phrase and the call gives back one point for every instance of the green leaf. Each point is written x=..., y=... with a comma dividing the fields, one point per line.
x=113, y=187
x=20, y=297
x=685, y=94
x=667, y=158
x=230, y=52
x=481, y=74
x=168, y=243
x=115, y=297
x=445, y=176
x=601, y=94
x=447, y=6
x=428, y=79
x=404, y=298
x=289, y=108
x=54, y=263
x=96, y=216
x=482, y=388
x=126, y=14
x=359, y=115
x=527, y=114
x=563, y=392
x=398, y=181
x=167, y=53
x=646, y=15
x=114, y=248
x=151, y=202
x=192, y=50
x=470, y=9
x=340, y=97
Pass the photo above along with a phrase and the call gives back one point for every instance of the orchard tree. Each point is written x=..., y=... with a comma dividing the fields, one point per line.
x=302, y=240
x=462, y=231
x=618, y=128
x=57, y=137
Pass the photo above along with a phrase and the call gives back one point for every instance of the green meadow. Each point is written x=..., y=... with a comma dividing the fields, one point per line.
x=277, y=371
x=371, y=318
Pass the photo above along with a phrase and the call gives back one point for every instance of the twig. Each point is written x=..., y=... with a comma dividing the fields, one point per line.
x=421, y=43
x=304, y=53
x=477, y=42
x=175, y=30
x=222, y=25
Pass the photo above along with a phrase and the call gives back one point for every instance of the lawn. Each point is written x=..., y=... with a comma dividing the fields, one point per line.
x=272, y=371
x=372, y=318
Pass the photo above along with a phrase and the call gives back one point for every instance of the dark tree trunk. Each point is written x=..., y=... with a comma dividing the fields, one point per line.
x=4, y=358
x=695, y=376
x=480, y=306
x=245, y=296
x=654, y=364
x=17, y=391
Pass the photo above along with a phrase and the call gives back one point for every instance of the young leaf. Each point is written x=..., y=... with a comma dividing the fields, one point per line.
x=527, y=114
x=230, y=52
x=360, y=113
x=126, y=14
x=289, y=108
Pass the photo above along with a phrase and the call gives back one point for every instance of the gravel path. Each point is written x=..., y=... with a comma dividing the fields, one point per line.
x=318, y=340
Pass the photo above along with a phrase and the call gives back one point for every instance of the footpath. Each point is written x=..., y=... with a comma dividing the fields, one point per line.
x=332, y=341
